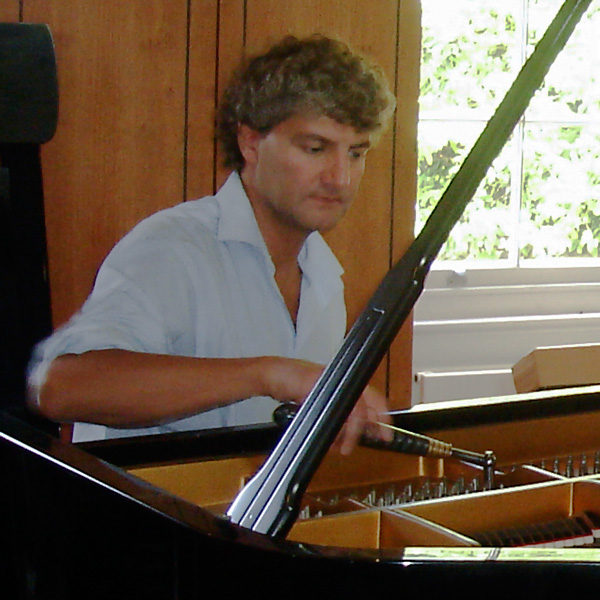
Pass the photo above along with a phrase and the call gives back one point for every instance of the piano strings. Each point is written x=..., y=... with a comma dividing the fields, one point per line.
x=466, y=480
x=577, y=531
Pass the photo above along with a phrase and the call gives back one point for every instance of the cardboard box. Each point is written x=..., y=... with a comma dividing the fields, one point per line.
x=557, y=367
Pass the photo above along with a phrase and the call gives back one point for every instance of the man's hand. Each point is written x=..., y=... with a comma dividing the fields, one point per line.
x=370, y=409
x=292, y=380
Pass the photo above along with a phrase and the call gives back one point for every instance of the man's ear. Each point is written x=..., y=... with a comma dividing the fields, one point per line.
x=248, y=142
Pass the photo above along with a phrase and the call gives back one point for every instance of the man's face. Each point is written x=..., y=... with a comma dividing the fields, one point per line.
x=305, y=172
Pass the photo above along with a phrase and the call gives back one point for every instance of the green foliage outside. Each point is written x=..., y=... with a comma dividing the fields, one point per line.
x=541, y=197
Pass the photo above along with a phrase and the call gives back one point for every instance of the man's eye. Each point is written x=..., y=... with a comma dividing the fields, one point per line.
x=314, y=149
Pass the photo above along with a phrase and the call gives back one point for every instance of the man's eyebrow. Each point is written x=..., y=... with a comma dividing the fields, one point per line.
x=312, y=137
x=325, y=140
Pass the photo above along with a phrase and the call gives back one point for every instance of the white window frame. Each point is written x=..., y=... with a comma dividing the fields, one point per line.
x=471, y=327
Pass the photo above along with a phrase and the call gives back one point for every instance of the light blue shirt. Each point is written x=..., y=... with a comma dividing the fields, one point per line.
x=197, y=280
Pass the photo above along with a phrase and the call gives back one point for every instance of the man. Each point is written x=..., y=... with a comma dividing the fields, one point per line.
x=210, y=312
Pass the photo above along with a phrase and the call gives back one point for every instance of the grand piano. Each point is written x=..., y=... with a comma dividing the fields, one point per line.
x=143, y=518
x=152, y=517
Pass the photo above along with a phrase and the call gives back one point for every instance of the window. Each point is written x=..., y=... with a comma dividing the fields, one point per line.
x=491, y=298
x=540, y=200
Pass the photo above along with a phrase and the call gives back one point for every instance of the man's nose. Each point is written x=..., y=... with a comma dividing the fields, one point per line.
x=337, y=172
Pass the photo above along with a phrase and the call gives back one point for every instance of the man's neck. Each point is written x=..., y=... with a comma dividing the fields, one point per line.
x=284, y=244
x=283, y=240
x=284, y=247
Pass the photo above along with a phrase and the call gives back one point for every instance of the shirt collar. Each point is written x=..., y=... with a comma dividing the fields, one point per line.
x=317, y=261
x=238, y=223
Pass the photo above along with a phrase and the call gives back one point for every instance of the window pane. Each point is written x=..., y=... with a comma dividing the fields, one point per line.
x=571, y=89
x=485, y=226
x=561, y=192
x=470, y=56
x=541, y=197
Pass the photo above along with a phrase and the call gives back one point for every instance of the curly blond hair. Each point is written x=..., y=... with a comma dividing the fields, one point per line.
x=315, y=75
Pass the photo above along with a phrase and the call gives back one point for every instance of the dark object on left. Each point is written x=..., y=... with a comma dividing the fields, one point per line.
x=28, y=118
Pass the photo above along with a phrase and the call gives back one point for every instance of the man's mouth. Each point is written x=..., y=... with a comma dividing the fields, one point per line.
x=327, y=199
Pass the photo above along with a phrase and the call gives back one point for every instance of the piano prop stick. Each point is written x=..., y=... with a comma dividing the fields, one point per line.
x=270, y=501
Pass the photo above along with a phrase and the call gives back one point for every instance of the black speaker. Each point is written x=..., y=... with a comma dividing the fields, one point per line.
x=28, y=118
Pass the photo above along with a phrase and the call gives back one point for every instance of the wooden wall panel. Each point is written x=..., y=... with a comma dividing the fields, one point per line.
x=231, y=35
x=9, y=11
x=405, y=182
x=201, y=152
x=118, y=152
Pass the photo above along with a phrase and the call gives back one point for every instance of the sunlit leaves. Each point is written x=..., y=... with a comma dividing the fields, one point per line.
x=541, y=197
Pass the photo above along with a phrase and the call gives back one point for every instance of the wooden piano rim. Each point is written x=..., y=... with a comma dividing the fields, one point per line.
x=470, y=413
x=258, y=439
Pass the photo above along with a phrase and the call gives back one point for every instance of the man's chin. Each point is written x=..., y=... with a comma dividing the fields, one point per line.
x=325, y=225
x=326, y=218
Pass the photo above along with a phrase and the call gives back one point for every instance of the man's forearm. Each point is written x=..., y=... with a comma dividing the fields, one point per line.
x=130, y=389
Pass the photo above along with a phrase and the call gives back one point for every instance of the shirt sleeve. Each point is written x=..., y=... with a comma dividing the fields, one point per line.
x=133, y=306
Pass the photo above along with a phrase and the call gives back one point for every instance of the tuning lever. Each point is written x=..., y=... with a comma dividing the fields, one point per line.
x=408, y=442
